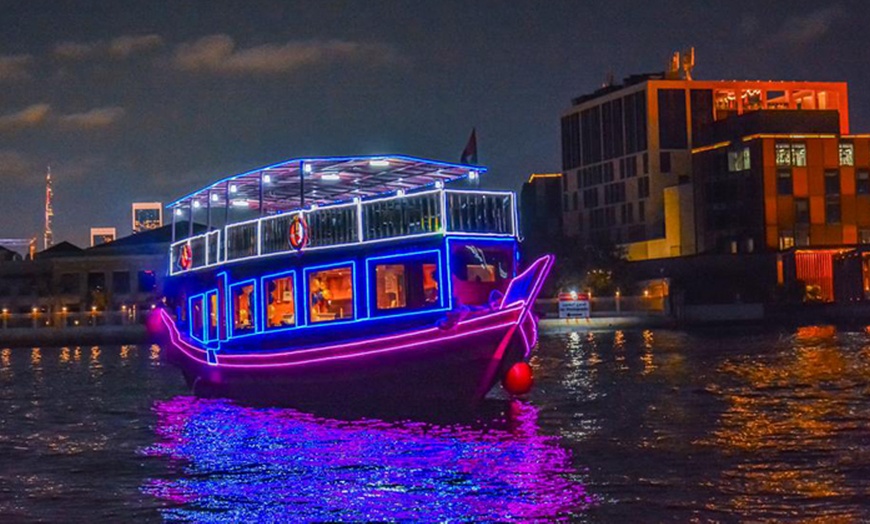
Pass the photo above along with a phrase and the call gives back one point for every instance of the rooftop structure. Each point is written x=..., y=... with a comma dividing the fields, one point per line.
x=337, y=202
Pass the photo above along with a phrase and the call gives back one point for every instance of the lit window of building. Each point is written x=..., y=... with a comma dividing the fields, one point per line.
x=847, y=154
x=862, y=182
x=738, y=160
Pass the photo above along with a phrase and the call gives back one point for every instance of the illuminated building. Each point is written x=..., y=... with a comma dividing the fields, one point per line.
x=627, y=153
x=102, y=235
x=147, y=216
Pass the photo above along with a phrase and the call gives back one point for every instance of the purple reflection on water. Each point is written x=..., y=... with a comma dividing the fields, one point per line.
x=246, y=464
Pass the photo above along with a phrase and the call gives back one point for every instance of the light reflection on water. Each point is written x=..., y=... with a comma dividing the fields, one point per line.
x=247, y=464
x=621, y=427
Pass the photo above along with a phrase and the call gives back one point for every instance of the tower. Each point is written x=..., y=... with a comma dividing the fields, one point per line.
x=47, y=234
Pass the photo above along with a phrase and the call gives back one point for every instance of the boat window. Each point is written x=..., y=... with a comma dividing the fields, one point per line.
x=212, y=315
x=243, y=307
x=330, y=294
x=477, y=264
x=392, y=290
x=280, y=301
x=410, y=285
x=196, y=318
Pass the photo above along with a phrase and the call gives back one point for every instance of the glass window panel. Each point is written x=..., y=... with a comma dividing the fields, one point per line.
x=391, y=287
x=862, y=182
x=243, y=308
x=799, y=154
x=847, y=154
x=783, y=182
x=196, y=326
x=783, y=154
x=280, y=302
x=330, y=294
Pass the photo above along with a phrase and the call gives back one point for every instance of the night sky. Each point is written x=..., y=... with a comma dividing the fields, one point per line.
x=146, y=101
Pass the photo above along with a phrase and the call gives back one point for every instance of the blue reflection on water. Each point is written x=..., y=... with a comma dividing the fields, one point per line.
x=248, y=464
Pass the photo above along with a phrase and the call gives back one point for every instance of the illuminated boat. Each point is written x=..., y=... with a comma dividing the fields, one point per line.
x=335, y=280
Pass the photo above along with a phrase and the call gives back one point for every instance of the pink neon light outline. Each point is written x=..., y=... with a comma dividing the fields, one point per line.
x=174, y=334
x=546, y=260
x=354, y=343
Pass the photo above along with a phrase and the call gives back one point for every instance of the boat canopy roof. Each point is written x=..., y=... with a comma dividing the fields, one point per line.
x=301, y=182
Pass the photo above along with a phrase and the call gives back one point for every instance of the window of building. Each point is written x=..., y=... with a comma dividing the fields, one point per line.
x=738, y=160
x=802, y=237
x=565, y=202
x=120, y=282
x=847, y=154
x=147, y=281
x=832, y=182
x=665, y=162
x=643, y=187
x=280, y=293
x=786, y=240
x=783, y=154
x=801, y=211
x=576, y=203
x=243, y=311
x=641, y=211
x=799, y=154
x=864, y=236
x=862, y=182
x=783, y=182
x=330, y=294
x=645, y=163
x=832, y=210
x=96, y=281
x=791, y=154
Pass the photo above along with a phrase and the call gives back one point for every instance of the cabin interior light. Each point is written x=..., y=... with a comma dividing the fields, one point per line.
x=233, y=188
x=400, y=193
x=439, y=184
x=379, y=163
x=196, y=204
x=214, y=197
x=473, y=175
x=267, y=179
x=330, y=177
x=178, y=212
x=307, y=168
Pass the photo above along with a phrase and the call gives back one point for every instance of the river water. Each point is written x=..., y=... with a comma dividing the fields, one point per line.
x=635, y=426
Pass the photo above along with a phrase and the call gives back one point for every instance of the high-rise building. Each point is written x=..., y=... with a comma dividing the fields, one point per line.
x=102, y=235
x=147, y=216
x=47, y=235
x=627, y=152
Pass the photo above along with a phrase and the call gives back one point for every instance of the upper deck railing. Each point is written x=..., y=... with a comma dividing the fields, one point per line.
x=433, y=212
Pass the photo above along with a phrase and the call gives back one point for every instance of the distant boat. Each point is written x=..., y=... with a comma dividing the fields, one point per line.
x=359, y=279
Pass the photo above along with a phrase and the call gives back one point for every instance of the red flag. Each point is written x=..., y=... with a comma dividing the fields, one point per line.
x=469, y=154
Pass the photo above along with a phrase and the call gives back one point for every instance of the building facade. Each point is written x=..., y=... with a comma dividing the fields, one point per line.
x=540, y=212
x=627, y=153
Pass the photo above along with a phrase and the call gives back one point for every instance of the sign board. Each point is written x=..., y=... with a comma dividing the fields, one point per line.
x=573, y=305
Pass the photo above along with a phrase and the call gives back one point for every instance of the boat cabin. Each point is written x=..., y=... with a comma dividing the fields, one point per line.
x=356, y=245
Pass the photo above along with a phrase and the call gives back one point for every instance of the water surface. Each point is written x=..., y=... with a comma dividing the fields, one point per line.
x=622, y=426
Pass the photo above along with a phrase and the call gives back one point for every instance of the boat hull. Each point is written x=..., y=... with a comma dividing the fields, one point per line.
x=456, y=361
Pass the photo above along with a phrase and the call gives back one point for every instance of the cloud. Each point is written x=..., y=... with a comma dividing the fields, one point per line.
x=14, y=165
x=121, y=47
x=93, y=119
x=218, y=54
x=808, y=28
x=30, y=116
x=39, y=114
x=126, y=45
x=74, y=50
x=14, y=67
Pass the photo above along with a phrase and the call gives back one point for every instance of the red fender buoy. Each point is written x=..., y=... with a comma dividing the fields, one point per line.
x=518, y=379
